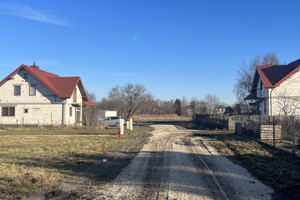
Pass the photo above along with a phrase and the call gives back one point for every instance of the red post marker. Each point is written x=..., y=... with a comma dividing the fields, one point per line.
x=119, y=133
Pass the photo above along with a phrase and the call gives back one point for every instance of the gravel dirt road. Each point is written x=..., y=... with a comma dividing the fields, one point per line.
x=176, y=164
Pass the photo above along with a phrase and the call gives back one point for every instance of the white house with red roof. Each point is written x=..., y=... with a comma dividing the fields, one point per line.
x=275, y=89
x=31, y=96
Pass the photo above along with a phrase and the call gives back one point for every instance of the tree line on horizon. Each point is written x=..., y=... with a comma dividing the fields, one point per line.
x=131, y=99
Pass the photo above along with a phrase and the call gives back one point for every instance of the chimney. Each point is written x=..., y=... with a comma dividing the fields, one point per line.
x=34, y=66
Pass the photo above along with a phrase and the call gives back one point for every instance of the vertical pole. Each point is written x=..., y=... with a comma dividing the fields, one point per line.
x=122, y=126
x=273, y=131
x=130, y=124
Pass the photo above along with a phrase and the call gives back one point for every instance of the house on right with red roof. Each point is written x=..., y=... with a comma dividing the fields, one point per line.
x=276, y=89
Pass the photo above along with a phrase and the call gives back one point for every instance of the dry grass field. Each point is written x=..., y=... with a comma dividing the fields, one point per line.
x=36, y=159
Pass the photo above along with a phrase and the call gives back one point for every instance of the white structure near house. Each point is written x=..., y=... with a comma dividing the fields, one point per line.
x=103, y=114
x=32, y=96
x=275, y=89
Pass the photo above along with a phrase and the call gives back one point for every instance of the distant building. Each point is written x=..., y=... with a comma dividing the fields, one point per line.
x=103, y=114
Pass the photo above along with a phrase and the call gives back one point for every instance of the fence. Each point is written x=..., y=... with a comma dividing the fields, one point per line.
x=212, y=121
x=279, y=131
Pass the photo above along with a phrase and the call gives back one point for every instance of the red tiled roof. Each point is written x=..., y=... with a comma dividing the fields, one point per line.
x=274, y=75
x=88, y=103
x=263, y=76
x=63, y=87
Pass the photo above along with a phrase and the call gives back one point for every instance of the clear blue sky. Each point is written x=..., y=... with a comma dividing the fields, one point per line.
x=174, y=48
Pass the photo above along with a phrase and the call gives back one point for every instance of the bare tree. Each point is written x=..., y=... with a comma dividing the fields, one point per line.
x=129, y=98
x=212, y=102
x=286, y=103
x=243, y=84
x=115, y=99
x=185, y=106
x=150, y=106
x=105, y=104
x=193, y=105
x=164, y=107
x=198, y=106
x=245, y=74
x=270, y=59
x=88, y=111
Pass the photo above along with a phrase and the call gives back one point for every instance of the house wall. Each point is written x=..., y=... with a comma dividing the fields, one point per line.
x=262, y=94
x=76, y=106
x=43, y=94
x=46, y=114
x=43, y=108
x=286, y=94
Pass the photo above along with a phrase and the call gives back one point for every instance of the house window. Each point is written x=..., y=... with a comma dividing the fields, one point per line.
x=8, y=111
x=25, y=110
x=32, y=90
x=17, y=91
x=25, y=75
x=70, y=111
x=261, y=88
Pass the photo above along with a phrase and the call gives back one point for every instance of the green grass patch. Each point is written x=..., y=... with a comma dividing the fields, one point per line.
x=36, y=159
x=277, y=169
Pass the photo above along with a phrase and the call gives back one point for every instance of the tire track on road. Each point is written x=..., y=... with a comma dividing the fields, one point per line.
x=198, y=156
